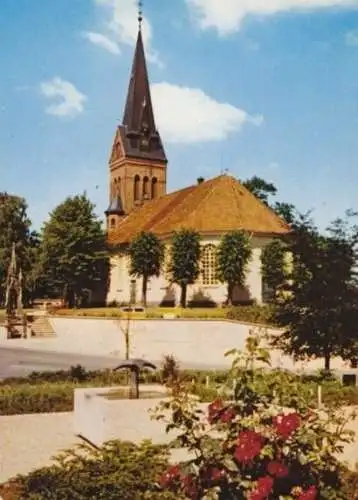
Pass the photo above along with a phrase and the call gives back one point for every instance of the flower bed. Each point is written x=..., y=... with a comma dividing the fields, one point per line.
x=254, y=447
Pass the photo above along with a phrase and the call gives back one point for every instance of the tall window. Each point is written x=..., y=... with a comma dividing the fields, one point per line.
x=146, y=193
x=136, y=188
x=154, y=187
x=118, y=189
x=208, y=265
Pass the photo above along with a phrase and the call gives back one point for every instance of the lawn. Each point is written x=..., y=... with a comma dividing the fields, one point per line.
x=253, y=314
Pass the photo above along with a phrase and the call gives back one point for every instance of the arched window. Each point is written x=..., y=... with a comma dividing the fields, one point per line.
x=208, y=265
x=118, y=189
x=113, y=222
x=146, y=194
x=136, y=188
x=154, y=187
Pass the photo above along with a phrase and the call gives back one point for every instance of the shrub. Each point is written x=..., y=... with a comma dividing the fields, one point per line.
x=256, y=314
x=200, y=299
x=44, y=398
x=256, y=444
x=118, y=470
x=170, y=369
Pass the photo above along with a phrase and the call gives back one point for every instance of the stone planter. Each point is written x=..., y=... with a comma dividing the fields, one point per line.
x=100, y=416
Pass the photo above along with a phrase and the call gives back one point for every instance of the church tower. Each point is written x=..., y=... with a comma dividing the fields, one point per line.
x=138, y=164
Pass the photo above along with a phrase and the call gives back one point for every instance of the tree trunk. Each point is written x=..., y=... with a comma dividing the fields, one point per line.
x=327, y=362
x=144, y=291
x=183, y=296
x=230, y=290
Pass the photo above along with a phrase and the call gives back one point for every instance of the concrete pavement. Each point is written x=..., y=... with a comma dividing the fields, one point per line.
x=20, y=362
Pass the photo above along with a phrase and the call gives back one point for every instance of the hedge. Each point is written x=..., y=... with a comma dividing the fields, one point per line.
x=262, y=315
x=53, y=392
x=47, y=392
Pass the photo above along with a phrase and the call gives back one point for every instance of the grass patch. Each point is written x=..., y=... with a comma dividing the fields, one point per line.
x=255, y=314
x=249, y=314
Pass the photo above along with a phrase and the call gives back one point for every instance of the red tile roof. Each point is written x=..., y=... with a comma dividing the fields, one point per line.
x=218, y=205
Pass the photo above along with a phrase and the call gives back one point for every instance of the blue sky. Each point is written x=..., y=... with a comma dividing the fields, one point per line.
x=269, y=91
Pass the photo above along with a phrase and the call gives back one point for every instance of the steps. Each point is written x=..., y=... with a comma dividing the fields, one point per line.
x=41, y=326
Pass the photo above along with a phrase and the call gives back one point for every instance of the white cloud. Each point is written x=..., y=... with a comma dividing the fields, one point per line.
x=226, y=16
x=352, y=38
x=102, y=41
x=121, y=27
x=194, y=116
x=71, y=101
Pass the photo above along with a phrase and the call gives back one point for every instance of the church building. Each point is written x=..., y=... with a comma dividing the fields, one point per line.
x=138, y=201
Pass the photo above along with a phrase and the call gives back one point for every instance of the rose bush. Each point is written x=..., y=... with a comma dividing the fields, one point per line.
x=255, y=445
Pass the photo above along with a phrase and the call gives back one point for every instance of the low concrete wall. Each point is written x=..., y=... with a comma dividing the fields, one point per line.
x=194, y=343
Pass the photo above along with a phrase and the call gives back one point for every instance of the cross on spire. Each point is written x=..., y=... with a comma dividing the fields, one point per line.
x=140, y=14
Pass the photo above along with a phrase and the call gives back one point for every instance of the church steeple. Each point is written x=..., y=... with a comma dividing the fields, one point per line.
x=138, y=118
x=138, y=96
x=138, y=161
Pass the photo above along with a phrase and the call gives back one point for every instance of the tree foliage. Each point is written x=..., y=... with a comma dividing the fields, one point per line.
x=14, y=228
x=263, y=189
x=74, y=251
x=147, y=254
x=286, y=211
x=233, y=255
x=320, y=313
x=184, y=265
x=260, y=188
x=273, y=267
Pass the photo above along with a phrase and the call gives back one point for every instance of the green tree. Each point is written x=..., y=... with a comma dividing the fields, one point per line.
x=320, y=314
x=34, y=286
x=14, y=228
x=147, y=255
x=234, y=253
x=263, y=189
x=273, y=267
x=74, y=250
x=286, y=211
x=184, y=266
x=260, y=188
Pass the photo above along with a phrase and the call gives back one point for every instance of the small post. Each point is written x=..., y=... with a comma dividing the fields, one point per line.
x=207, y=381
x=319, y=396
x=134, y=386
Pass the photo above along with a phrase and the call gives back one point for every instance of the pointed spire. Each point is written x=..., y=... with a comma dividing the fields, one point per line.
x=138, y=133
x=139, y=96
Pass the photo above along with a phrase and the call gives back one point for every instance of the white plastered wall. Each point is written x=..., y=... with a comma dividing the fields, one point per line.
x=120, y=282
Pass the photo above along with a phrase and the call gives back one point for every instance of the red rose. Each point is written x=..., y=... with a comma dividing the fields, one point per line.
x=277, y=469
x=171, y=475
x=310, y=494
x=189, y=487
x=213, y=409
x=213, y=474
x=227, y=415
x=263, y=488
x=249, y=445
x=286, y=425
